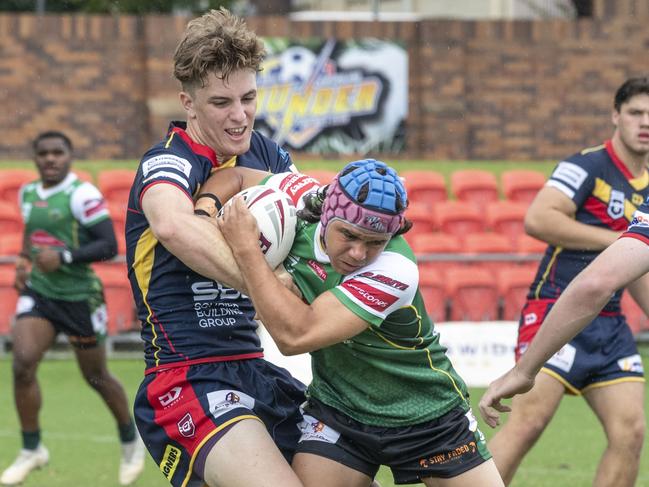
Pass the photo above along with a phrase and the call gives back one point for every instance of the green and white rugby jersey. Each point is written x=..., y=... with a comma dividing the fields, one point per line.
x=395, y=373
x=58, y=217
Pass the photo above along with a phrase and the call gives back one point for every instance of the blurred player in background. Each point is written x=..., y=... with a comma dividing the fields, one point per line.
x=210, y=409
x=383, y=390
x=586, y=204
x=67, y=226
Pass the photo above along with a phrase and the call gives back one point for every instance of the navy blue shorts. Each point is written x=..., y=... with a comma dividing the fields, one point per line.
x=443, y=448
x=84, y=322
x=603, y=353
x=179, y=411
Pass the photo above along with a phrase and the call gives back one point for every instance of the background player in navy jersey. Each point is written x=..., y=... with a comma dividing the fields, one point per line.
x=210, y=409
x=67, y=226
x=586, y=204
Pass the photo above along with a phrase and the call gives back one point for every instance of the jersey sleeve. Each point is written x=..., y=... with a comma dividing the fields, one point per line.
x=295, y=185
x=168, y=168
x=639, y=226
x=88, y=205
x=380, y=288
x=574, y=177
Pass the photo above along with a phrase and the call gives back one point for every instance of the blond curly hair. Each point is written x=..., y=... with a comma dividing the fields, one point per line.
x=217, y=42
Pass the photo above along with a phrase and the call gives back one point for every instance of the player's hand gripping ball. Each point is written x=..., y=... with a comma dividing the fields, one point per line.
x=276, y=219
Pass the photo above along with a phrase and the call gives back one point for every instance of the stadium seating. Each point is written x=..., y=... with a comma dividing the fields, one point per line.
x=526, y=244
x=487, y=243
x=11, y=244
x=422, y=221
x=10, y=182
x=458, y=218
x=513, y=285
x=425, y=187
x=8, y=297
x=521, y=185
x=432, y=289
x=507, y=218
x=474, y=186
x=115, y=185
x=11, y=220
x=435, y=243
x=118, y=295
x=473, y=294
x=635, y=317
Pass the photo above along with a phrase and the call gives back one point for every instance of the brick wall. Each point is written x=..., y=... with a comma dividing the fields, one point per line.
x=523, y=90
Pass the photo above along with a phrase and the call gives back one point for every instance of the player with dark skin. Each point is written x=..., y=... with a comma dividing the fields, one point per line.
x=36, y=328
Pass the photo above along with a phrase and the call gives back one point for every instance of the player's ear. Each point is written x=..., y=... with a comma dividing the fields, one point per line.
x=187, y=101
x=615, y=116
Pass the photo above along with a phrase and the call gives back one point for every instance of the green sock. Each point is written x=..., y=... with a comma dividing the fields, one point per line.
x=31, y=439
x=126, y=431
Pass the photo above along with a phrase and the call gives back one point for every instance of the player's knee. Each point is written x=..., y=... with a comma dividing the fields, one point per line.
x=629, y=434
x=24, y=368
x=96, y=379
x=531, y=429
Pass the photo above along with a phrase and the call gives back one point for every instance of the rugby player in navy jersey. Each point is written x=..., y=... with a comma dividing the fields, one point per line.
x=210, y=409
x=588, y=201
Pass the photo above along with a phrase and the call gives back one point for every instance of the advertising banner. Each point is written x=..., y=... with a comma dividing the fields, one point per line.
x=334, y=97
x=480, y=352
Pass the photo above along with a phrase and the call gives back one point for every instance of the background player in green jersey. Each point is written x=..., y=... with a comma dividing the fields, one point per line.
x=383, y=390
x=67, y=226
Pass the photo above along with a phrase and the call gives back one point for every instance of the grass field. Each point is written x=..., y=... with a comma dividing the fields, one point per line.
x=82, y=439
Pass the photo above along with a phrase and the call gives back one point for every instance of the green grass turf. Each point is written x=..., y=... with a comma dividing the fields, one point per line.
x=82, y=437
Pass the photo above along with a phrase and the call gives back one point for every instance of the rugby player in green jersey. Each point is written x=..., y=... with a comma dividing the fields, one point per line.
x=383, y=390
x=67, y=226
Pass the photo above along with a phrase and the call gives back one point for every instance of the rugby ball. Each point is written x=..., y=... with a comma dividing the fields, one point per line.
x=276, y=218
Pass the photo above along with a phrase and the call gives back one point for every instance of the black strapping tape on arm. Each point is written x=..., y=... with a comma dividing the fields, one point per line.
x=201, y=213
x=217, y=201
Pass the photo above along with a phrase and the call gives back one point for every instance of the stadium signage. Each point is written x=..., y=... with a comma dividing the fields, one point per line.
x=328, y=96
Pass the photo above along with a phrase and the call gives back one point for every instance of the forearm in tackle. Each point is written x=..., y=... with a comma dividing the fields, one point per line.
x=201, y=247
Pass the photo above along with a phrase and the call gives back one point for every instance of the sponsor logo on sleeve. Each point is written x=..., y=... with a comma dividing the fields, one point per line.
x=166, y=161
x=170, y=461
x=297, y=185
x=632, y=363
x=570, y=174
x=167, y=175
x=388, y=281
x=368, y=295
x=93, y=206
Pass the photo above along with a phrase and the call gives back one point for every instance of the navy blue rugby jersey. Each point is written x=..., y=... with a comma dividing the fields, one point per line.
x=186, y=317
x=606, y=195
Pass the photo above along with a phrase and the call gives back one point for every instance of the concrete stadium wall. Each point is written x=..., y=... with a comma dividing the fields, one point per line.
x=516, y=90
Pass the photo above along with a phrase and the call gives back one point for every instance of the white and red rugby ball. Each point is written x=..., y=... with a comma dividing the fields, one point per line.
x=276, y=218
